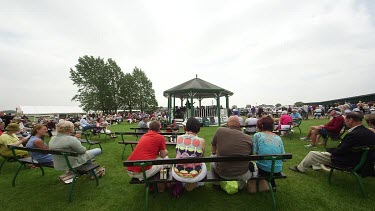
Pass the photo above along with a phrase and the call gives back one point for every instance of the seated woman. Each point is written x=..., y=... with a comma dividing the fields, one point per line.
x=100, y=123
x=190, y=145
x=370, y=119
x=37, y=141
x=64, y=141
x=266, y=142
x=285, y=122
x=9, y=137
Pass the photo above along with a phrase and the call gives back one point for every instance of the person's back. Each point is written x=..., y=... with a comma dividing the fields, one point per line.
x=231, y=142
x=251, y=121
x=285, y=119
x=150, y=146
x=335, y=125
x=266, y=144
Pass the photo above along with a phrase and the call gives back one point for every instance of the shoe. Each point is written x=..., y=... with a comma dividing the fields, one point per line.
x=304, y=139
x=295, y=168
x=310, y=146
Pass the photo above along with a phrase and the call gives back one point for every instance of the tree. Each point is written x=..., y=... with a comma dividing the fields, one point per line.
x=298, y=104
x=98, y=83
x=278, y=105
x=127, y=92
x=144, y=93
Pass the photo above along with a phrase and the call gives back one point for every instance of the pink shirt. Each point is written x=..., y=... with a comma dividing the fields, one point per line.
x=285, y=119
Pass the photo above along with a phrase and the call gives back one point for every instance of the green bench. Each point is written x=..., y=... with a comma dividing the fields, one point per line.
x=80, y=170
x=354, y=170
x=211, y=175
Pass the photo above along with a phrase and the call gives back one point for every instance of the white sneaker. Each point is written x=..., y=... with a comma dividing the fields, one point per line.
x=304, y=139
x=310, y=146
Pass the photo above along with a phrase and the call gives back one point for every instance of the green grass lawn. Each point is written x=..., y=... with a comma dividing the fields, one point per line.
x=298, y=192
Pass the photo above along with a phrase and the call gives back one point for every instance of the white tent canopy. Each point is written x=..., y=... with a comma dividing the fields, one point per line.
x=40, y=110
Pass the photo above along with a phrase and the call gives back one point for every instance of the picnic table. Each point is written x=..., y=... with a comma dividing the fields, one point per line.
x=163, y=128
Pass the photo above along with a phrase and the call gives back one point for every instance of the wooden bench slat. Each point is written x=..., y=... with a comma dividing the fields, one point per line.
x=86, y=167
x=45, y=151
x=31, y=161
x=206, y=159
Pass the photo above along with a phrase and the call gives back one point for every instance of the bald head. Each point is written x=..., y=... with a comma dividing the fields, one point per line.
x=233, y=121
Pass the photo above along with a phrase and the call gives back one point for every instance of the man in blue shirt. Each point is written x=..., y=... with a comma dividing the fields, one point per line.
x=296, y=116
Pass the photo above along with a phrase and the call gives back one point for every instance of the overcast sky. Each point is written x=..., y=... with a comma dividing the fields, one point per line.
x=263, y=51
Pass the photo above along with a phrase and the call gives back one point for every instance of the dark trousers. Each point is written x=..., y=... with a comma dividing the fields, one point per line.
x=266, y=173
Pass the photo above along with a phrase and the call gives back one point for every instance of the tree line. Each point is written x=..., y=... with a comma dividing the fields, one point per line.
x=102, y=86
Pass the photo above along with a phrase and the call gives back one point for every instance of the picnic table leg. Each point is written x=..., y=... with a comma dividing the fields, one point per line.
x=360, y=184
x=96, y=177
x=2, y=163
x=330, y=176
x=71, y=188
x=123, y=152
x=41, y=168
x=143, y=165
x=15, y=176
x=272, y=196
x=269, y=179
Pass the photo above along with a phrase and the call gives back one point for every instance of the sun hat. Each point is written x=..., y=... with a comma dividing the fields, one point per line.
x=84, y=117
x=13, y=127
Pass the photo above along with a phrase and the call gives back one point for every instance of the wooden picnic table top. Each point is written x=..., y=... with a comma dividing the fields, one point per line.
x=142, y=133
x=248, y=125
x=163, y=128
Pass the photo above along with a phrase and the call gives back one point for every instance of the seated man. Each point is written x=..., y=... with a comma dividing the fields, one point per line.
x=143, y=124
x=250, y=121
x=296, y=116
x=150, y=146
x=229, y=141
x=333, y=127
x=85, y=125
x=358, y=135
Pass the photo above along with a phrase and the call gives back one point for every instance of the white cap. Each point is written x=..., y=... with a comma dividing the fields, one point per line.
x=84, y=116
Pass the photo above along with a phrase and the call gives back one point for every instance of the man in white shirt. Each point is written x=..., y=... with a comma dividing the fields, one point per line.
x=250, y=121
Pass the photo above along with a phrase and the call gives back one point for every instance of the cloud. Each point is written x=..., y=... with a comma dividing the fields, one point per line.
x=265, y=52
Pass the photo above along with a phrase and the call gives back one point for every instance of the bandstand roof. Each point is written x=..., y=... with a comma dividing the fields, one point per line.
x=199, y=88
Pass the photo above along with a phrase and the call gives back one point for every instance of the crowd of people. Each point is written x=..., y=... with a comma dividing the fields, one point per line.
x=64, y=139
x=232, y=140
x=227, y=141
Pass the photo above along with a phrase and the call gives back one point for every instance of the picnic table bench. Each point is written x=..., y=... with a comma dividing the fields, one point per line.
x=163, y=128
x=132, y=143
x=211, y=174
x=80, y=170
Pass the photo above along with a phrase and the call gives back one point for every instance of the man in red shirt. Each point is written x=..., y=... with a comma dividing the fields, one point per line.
x=150, y=146
x=333, y=127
